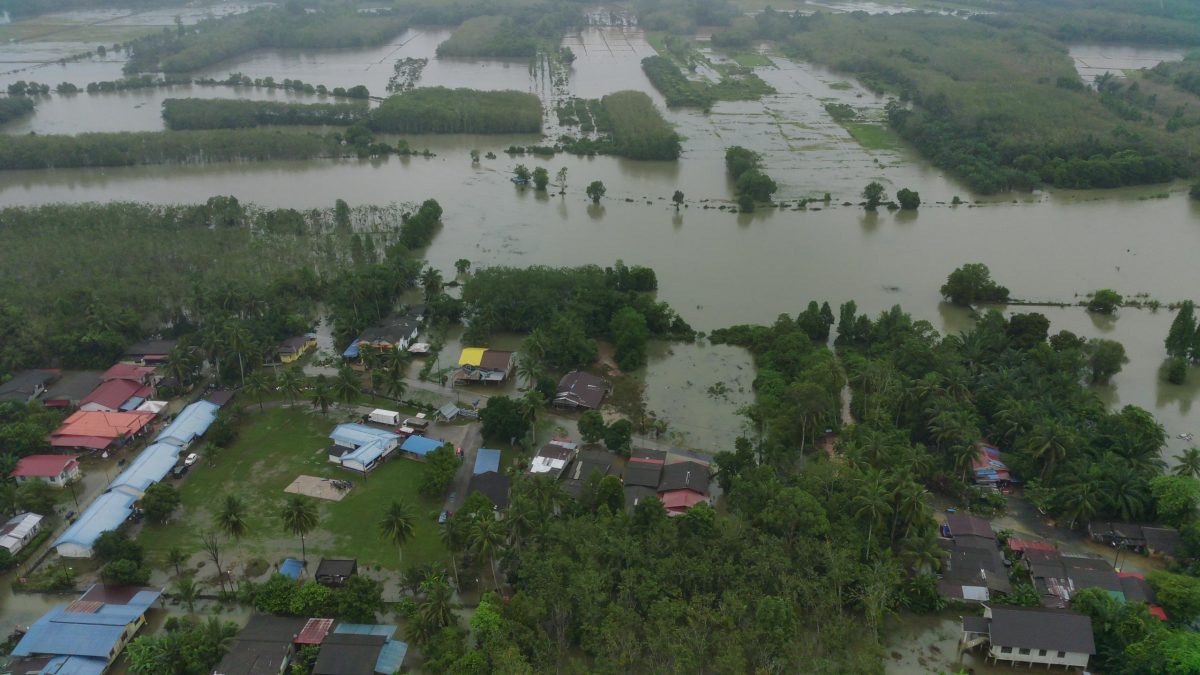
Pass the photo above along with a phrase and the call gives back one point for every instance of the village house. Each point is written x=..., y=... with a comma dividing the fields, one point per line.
x=643, y=473
x=683, y=485
x=85, y=636
x=1058, y=576
x=71, y=388
x=361, y=448
x=484, y=366
x=580, y=391
x=1031, y=637
x=419, y=447
x=972, y=565
x=116, y=396
x=396, y=332
x=360, y=649
x=335, y=572
x=551, y=460
x=1142, y=538
x=27, y=385
x=264, y=647
x=293, y=348
x=150, y=352
x=143, y=375
x=989, y=469
x=56, y=470
x=92, y=431
x=19, y=531
x=493, y=485
x=587, y=465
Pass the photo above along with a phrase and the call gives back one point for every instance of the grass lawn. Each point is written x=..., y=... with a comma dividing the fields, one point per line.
x=752, y=60
x=273, y=447
x=873, y=136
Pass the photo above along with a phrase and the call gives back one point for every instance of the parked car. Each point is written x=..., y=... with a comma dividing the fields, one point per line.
x=191, y=459
x=443, y=517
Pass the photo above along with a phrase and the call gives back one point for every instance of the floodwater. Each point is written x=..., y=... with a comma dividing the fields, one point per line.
x=715, y=267
x=919, y=645
x=1093, y=60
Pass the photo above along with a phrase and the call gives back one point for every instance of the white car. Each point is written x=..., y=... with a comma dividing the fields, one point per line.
x=191, y=459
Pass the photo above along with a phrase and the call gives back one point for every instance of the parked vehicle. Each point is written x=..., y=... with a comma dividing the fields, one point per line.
x=420, y=424
x=191, y=459
x=380, y=416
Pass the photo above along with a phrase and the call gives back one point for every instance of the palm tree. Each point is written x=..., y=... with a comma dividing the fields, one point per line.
x=322, y=396
x=377, y=381
x=394, y=385
x=1080, y=501
x=299, y=516
x=487, y=536
x=258, y=385
x=451, y=534
x=922, y=552
x=1189, y=463
x=396, y=526
x=872, y=502
x=291, y=382
x=530, y=370
x=186, y=591
x=436, y=611
x=239, y=340
x=232, y=517
x=175, y=558
x=1050, y=442
x=347, y=384
x=431, y=281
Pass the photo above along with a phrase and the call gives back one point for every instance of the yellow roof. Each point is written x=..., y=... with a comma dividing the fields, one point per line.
x=471, y=356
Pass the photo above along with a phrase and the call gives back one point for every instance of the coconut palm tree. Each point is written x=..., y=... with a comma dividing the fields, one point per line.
x=921, y=551
x=1049, y=442
x=232, y=517
x=322, y=395
x=396, y=526
x=258, y=386
x=452, y=536
x=394, y=384
x=291, y=382
x=347, y=384
x=186, y=591
x=377, y=382
x=871, y=502
x=530, y=370
x=1080, y=501
x=487, y=536
x=1189, y=463
x=436, y=611
x=238, y=340
x=299, y=516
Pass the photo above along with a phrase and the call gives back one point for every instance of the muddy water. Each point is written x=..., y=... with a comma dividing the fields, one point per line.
x=715, y=267
x=1092, y=60
x=919, y=645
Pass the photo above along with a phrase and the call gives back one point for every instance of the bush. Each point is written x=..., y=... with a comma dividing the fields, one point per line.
x=1195, y=191
x=618, y=437
x=909, y=200
x=504, y=419
x=591, y=426
x=1177, y=370
x=1105, y=301
x=972, y=283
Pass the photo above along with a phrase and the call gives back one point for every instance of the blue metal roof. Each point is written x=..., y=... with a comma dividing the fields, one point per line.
x=419, y=445
x=192, y=422
x=365, y=629
x=105, y=513
x=367, y=454
x=351, y=351
x=487, y=460
x=132, y=403
x=360, y=434
x=148, y=468
x=74, y=665
x=291, y=568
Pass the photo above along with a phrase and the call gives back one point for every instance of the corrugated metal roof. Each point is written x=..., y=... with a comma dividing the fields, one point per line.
x=360, y=434
x=391, y=657
x=75, y=665
x=419, y=445
x=192, y=422
x=487, y=459
x=105, y=513
x=365, y=629
x=50, y=636
x=148, y=468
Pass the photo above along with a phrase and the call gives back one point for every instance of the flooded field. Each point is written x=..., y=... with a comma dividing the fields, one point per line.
x=1094, y=60
x=715, y=267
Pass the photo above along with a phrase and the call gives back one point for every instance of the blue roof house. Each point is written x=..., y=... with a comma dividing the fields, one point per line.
x=486, y=459
x=420, y=445
x=84, y=637
x=148, y=468
x=190, y=424
x=360, y=448
x=106, y=513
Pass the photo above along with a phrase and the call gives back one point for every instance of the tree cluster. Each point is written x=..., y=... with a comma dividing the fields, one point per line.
x=186, y=646
x=638, y=129
x=359, y=600
x=491, y=36
x=440, y=467
x=751, y=184
x=439, y=110
x=13, y=107
x=971, y=284
x=124, y=559
x=201, y=113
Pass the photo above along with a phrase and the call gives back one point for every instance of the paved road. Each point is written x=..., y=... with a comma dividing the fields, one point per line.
x=471, y=443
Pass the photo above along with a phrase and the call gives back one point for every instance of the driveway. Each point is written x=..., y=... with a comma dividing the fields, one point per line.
x=472, y=440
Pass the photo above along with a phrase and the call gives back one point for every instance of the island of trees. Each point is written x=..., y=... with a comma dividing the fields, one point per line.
x=202, y=113
x=442, y=110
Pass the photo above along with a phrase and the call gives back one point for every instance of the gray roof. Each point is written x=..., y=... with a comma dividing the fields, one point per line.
x=646, y=474
x=636, y=493
x=1162, y=539
x=349, y=654
x=1050, y=629
x=25, y=384
x=492, y=485
x=151, y=347
x=74, y=385
x=336, y=567
x=267, y=628
x=965, y=566
x=581, y=389
x=975, y=624
x=685, y=476
x=252, y=657
x=1136, y=590
x=393, y=329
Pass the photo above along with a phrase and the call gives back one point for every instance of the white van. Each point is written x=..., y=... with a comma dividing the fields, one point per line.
x=388, y=417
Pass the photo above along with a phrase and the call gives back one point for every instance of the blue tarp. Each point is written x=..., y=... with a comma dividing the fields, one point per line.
x=351, y=351
x=291, y=568
x=419, y=445
x=487, y=460
x=191, y=423
x=148, y=468
x=105, y=513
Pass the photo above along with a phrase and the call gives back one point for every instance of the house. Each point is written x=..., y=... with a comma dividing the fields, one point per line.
x=643, y=473
x=99, y=430
x=586, y=465
x=1031, y=637
x=264, y=647
x=1141, y=538
x=580, y=391
x=19, y=530
x=86, y=636
x=106, y=512
x=56, y=470
x=493, y=485
x=486, y=459
x=551, y=460
x=150, y=352
x=361, y=448
x=970, y=531
x=127, y=371
x=334, y=572
x=314, y=632
x=71, y=388
x=683, y=485
x=116, y=396
x=220, y=397
x=989, y=469
x=1136, y=589
x=1162, y=540
x=1020, y=546
x=394, y=332
x=484, y=366
x=189, y=424
x=26, y=385
x=360, y=649
x=418, y=447
x=149, y=467
x=291, y=349
x=972, y=565
x=1058, y=576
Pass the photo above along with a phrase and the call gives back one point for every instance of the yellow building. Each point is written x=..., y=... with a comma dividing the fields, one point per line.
x=291, y=349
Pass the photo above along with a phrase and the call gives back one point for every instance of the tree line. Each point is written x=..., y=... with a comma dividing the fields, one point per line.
x=199, y=113
x=492, y=36
x=13, y=107
x=638, y=128
x=443, y=110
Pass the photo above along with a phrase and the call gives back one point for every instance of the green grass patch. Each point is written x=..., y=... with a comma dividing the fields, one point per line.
x=753, y=60
x=273, y=448
x=841, y=86
x=873, y=136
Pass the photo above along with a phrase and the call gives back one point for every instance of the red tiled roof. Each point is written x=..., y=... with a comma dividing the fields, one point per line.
x=680, y=500
x=43, y=466
x=127, y=371
x=314, y=632
x=93, y=442
x=113, y=393
x=1029, y=545
x=1157, y=612
x=98, y=425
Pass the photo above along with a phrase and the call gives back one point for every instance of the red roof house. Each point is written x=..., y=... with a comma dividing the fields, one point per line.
x=99, y=430
x=54, y=469
x=314, y=632
x=128, y=371
x=112, y=394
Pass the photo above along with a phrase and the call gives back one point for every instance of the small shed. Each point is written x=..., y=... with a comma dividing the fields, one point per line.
x=335, y=572
x=421, y=446
x=292, y=569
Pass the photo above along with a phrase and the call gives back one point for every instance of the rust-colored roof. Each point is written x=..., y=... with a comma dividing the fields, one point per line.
x=314, y=632
x=496, y=360
x=113, y=393
x=103, y=424
x=127, y=371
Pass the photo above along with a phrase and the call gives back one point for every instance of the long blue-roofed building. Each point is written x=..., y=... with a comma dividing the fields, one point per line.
x=86, y=636
x=190, y=424
x=105, y=513
x=150, y=467
x=361, y=448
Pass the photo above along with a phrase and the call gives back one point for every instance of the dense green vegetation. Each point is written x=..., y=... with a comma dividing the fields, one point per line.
x=987, y=101
x=972, y=283
x=13, y=107
x=442, y=110
x=671, y=83
x=638, y=128
x=208, y=42
x=202, y=113
x=543, y=19
x=736, y=83
x=495, y=36
x=169, y=147
x=752, y=185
